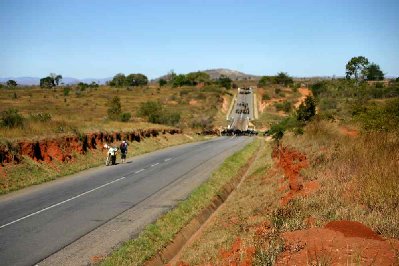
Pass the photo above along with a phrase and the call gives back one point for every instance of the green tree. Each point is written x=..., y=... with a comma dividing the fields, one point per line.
x=306, y=109
x=373, y=72
x=162, y=82
x=224, y=81
x=115, y=108
x=11, y=83
x=179, y=80
x=10, y=118
x=266, y=80
x=136, y=80
x=118, y=80
x=47, y=82
x=283, y=78
x=198, y=77
x=356, y=66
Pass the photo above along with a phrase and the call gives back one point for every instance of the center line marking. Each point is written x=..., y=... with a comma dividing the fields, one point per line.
x=167, y=159
x=154, y=164
x=141, y=170
x=62, y=202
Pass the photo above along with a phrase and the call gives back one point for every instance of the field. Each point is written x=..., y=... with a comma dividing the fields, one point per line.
x=86, y=111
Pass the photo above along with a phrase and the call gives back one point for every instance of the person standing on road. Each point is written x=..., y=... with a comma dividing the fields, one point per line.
x=123, y=149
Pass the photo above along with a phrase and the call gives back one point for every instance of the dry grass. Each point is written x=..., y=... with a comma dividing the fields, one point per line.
x=249, y=206
x=87, y=110
x=359, y=177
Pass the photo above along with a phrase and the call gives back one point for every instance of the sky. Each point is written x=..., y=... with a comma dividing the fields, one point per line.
x=97, y=39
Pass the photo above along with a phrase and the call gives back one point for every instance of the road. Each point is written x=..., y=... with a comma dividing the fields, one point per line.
x=243, y=110
x=80, y=216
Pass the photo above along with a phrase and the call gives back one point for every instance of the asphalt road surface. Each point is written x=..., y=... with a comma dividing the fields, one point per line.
x=47, y=221
x=243, y=110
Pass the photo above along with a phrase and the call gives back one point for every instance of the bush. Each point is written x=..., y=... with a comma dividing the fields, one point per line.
x=285, y=106
x=203, y=122
x=10, y=118
x=67, y=90
x=156, y=114
x=40, y=117
x=265, y=97
x=277, y=90
x=307, y=109
x=115, y=108
x=125, y=117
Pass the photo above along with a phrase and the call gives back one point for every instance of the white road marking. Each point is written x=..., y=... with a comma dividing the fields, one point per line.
x=62, y=202
x=152, y=165
x=167, y=159
x=139, y=171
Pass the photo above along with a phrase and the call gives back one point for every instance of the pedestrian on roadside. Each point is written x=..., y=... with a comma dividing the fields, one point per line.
x=123, y=149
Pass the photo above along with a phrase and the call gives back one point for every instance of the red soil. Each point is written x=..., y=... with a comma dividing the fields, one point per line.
x=62, y=148
x=353, y=229
x=340, y=243
x=237, y=255
x=349, y=132
x=292, y=162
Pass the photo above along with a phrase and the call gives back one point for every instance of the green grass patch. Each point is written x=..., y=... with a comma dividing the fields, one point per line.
x=158, y=235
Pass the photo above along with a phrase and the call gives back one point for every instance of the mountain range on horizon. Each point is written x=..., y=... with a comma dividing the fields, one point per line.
x=213, y=73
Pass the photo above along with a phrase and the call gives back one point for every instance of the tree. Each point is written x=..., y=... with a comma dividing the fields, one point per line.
x=224, y=81
x=115, y=108
x=356, y=66
x=57, y=79
x=266, y=80
x=179, y=80
x=306, y=109
x=118, y=80
x=162, y=82
x=11, y=83
x=283, y=78
x=136, y=80
x=198, y=77
x=373, y=72
x=47, y=82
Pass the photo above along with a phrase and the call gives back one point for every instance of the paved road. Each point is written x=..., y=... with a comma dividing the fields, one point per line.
x=39, y=221
x=243, y=110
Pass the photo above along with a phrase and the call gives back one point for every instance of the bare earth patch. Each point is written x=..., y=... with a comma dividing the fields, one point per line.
x=338, y=243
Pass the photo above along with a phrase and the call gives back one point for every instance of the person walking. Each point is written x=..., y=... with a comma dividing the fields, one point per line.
x=123, y=149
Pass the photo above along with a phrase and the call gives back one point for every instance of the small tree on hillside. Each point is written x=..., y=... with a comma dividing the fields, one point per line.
x=224, y=81
x=115, y=108
x=355, y=67
x=136, y=80
x=306, y=109
x=283, y=78
x=373, y=72
x=162, y=82
x=11, y=83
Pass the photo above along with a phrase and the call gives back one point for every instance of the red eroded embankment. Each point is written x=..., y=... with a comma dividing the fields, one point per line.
x=62, y=148
x=292, y=162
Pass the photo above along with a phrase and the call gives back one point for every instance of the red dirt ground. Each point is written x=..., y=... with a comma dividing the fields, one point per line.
x=349, y=132
x=292, y=162
x=339, y=243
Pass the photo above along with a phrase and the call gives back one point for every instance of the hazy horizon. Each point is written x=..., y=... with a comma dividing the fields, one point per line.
x=97, y=39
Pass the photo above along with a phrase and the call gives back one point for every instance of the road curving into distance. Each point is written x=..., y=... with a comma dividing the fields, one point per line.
x=73, y=219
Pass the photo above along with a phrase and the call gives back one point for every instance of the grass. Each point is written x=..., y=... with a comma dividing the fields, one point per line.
x=31, y=172
x=358, y=176
x=87, y=110
x=157, y=235
x=242, y=216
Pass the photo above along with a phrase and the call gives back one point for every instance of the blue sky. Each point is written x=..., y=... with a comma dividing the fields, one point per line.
x=87, y=38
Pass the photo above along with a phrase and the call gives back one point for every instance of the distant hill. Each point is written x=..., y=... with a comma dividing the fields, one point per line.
x=217, y=72
x=66, y=80
x=232, y=74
